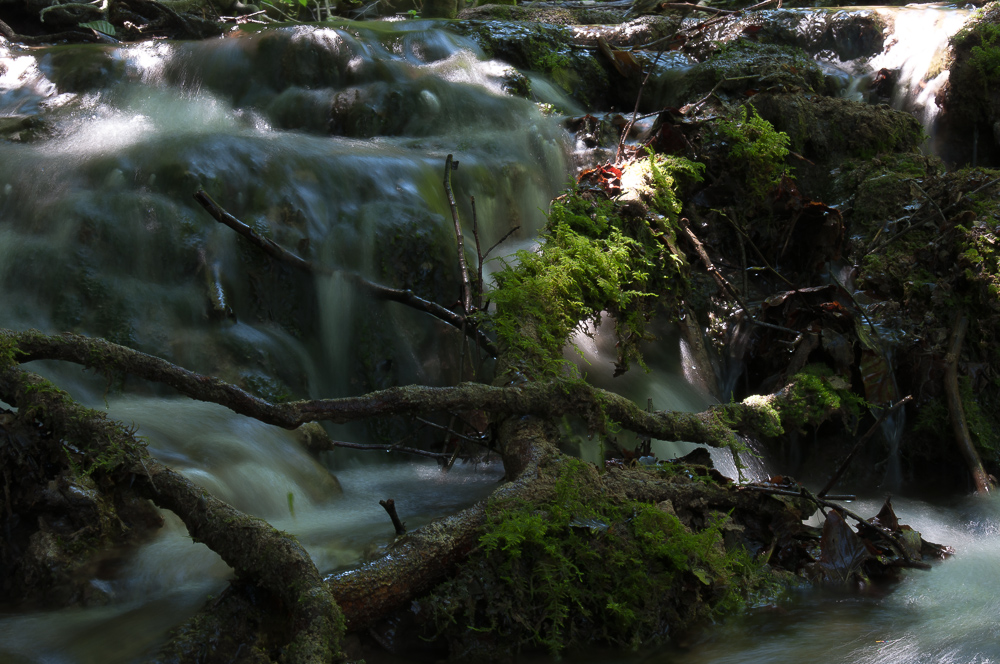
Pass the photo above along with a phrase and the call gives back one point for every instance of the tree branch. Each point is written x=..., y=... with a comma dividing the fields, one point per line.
x=541, y=399
x=378, y=291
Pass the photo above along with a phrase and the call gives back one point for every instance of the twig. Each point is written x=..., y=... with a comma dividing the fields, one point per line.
x=435, y=425
x=389, y=448
x=389, y=505
x=501, y=241
x=635, y=111
x=697, y=8
x=754, y=321
x=958, y=422
x=479, y=253
x=886, y=534
x=861, y=441
x=927, y=196
x=407, y=297
x=860, y=309
x=760, y=254
x=792, y=492
x=709, y=266
x=694, y=109
x=480, y=287
x=973, y=193
x=449, y=166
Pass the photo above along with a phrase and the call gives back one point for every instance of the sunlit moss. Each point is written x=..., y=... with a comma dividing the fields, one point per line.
x=580, y=568
x=595, y=257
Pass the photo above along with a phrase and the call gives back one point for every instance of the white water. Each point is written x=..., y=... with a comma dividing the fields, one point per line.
x=916, y=45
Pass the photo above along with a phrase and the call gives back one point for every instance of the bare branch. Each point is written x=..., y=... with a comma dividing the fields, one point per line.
x=389, y=505
x=378, y=291
x=449, y=166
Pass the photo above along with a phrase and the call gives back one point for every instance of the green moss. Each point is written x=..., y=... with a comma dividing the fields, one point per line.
x=756, y=149
x=593, y=259
x=815, y=394
x=580, y=568
x=8, y=351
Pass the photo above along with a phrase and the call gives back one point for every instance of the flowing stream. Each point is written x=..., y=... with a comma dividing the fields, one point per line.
x=332, y=140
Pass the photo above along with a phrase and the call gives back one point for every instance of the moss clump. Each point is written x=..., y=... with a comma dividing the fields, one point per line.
x=816, y=393
x=743, y=65
x=756, y=149
x=595, y=258
x=579, y=568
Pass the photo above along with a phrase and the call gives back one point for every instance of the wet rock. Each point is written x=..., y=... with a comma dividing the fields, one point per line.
x=845, y=34
x=21, y=128
x=547, y=50
x=82, y=69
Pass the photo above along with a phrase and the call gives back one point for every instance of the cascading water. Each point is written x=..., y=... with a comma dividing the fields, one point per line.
x=916, y=46
x=99, y=235
x=333, y=142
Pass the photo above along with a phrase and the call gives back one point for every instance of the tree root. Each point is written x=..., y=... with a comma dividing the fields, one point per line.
x=259, y=553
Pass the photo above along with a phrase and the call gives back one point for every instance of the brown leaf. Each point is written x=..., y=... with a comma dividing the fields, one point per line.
x=843, y=552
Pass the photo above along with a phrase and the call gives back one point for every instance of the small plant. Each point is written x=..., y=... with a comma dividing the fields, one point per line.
x=758, y=148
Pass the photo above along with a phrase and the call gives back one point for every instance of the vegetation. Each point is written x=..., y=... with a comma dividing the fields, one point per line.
x=596, y=259
x=583, y=567
x=702, y=222
x=757, y=148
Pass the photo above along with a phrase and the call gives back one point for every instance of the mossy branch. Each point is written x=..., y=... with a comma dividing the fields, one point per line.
x=548, y=399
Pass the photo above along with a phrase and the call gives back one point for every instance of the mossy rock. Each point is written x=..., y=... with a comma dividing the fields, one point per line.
x=82, y=68
x=548, y=50
x=509, y=11
x=64, y=520
x=881, y=187
x=826, y=131
x=971, y=99
x=745, y=66
x=850, y=34
x=581, y=565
